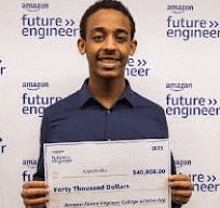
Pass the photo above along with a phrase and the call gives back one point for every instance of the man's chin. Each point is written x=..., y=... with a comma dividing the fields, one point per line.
x=110, y=75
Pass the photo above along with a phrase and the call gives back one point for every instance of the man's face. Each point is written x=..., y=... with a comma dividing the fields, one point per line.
x=108, y=43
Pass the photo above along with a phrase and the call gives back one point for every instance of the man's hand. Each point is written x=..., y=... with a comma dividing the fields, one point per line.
x=181, y=188
x=35, y=193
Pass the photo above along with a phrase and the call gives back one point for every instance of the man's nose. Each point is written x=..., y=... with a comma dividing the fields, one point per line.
x=110, y=44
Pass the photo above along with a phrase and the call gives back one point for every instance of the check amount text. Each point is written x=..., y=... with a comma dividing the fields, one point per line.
x=149, y=171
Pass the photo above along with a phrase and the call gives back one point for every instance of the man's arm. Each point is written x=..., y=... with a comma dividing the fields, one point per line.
x=181, y=186
x=35, y=193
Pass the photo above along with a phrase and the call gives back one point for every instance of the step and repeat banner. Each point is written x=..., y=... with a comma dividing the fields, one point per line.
x=177, y=65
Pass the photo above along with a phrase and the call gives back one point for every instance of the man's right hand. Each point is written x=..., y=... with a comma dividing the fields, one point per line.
x=35, y=193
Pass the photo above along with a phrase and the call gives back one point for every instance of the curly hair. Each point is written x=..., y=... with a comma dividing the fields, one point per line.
x=105, y=4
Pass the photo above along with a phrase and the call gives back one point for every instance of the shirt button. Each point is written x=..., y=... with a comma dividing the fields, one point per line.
x=109, y=111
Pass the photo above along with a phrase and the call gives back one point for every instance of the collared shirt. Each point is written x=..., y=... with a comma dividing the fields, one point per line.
x=80, y=117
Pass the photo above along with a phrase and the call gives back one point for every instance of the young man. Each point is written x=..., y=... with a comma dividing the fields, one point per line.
x=105, y=108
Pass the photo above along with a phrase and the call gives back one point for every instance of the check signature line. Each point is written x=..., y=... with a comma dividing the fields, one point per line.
x=97, y=176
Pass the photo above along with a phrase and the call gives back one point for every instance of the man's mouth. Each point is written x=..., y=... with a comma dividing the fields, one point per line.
x=109, y=61
x=109, y=57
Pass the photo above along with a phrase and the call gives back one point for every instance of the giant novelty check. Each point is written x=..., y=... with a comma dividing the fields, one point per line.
x=108, y=174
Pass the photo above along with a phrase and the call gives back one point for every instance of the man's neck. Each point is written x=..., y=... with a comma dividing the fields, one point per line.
x=107, y=91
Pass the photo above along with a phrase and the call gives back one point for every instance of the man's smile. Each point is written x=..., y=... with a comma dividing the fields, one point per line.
x=109, y=61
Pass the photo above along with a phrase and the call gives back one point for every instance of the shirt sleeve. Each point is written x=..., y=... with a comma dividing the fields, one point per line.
x=173, y=171
x=45, y=129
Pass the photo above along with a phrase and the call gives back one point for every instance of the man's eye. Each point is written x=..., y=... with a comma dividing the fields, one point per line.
x=121, y=39
x=98, y=38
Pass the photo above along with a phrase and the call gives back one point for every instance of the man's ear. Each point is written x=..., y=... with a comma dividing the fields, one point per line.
x=133, y=47
x=81, y=46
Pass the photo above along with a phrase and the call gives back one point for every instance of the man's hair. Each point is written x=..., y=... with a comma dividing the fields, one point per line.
x=105, y=4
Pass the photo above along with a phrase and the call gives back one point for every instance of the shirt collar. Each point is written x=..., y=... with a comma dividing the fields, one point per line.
x=87, y=99
x=85, y=95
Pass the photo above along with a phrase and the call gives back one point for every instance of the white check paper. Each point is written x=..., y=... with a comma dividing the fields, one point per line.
x=108, y=174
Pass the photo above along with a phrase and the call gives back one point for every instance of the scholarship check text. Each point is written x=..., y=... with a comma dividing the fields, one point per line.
x=126, y=173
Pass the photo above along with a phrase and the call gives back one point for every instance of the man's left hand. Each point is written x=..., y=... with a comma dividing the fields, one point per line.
x=181, y=188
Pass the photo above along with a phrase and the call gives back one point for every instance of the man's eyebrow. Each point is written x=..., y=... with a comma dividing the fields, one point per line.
x=99, y=29
x=121, y=30
x=102, y=29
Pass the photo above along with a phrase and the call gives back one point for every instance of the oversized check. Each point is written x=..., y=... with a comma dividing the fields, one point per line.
x=108, y=174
